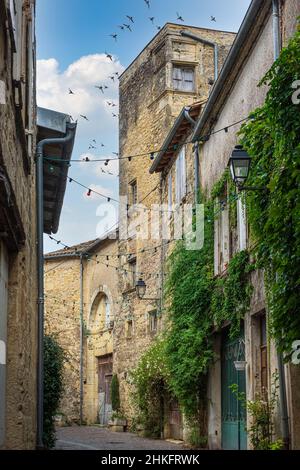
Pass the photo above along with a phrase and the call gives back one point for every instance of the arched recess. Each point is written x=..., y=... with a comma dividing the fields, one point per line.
x=101, y=310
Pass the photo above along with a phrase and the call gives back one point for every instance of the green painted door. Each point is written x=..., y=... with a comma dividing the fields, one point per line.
x=234, y=434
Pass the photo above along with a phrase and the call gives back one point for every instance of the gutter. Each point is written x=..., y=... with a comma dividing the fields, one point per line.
x=190, y=35
x=40, y=261
x=232, y=57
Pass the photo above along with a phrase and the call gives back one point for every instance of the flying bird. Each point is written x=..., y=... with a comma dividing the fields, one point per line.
x=213, y=18
x=116, y=73
x=91, y=147
x=128, y=27
x=152, y=18
x=113, y=105
x=84, y=117
x=130, y=18
x=116, y=153
x=109, y=103
x=71, y=92
x=94, y=140
x=158, y=27
x=115, y=115
x=179, y=18
x=102, y=145
x=100, y=87
x=112, y=78
x=114, y=36
x=147, y=3
x=122, y=27
x=109, y=56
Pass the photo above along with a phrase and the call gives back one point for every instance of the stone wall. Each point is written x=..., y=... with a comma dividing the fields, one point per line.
x=17, y=166
x=62, y=319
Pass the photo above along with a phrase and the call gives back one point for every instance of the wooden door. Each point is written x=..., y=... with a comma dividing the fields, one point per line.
x=234, y=434
x=105, y=367
x=175, y=420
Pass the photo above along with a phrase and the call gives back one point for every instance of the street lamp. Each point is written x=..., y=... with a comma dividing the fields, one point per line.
x=239, y=164
x=140, y=288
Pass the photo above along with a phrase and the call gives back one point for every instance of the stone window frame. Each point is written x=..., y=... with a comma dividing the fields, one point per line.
x=183, y=68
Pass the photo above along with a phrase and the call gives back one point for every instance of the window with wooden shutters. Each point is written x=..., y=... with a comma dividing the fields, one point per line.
x=180, y=176
x=263, y=353
x=183, y=78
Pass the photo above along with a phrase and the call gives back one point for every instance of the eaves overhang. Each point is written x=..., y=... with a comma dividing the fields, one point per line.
x=51, y=125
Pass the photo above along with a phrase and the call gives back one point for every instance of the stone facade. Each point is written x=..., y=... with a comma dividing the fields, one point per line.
x=150, y=100
x=18, y=293
x=97, y=296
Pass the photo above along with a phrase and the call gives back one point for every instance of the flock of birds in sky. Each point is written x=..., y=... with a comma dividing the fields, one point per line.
x=128, y=26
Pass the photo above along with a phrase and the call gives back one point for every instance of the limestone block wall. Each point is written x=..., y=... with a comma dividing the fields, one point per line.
x=62, y=319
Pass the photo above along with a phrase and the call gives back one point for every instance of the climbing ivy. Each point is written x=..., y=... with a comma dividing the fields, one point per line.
x=272, y=140
x=150, y=380
x=53, y=386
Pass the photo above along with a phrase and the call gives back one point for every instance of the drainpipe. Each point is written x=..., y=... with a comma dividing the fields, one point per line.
x=81, y=341
x=197, y=182
x=281, y=369
x=40, y=262
x=190, y=35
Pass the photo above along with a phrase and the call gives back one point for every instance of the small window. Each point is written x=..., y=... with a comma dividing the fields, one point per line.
x=180, y=176
x=153, y=321
x=132, y=264
x=133, y=192
x=183, y=78
x=129, y=329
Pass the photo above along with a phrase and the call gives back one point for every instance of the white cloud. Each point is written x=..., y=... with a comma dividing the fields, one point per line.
x=81, y=77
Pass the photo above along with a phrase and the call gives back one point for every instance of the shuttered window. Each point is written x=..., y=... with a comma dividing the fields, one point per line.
x=183, y=78
x=180, y=176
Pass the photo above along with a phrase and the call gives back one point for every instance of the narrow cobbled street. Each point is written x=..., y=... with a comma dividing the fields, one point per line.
x=96, y=438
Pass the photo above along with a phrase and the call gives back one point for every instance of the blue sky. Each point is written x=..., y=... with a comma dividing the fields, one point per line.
x=72, y=36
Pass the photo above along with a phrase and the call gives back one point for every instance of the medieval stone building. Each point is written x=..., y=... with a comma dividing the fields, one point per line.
x=81, y=312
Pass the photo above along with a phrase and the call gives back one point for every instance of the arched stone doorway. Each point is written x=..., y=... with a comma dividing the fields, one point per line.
x=99, y=357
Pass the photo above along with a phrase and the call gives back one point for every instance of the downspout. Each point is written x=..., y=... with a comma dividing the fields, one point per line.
x=281, y=371
x=190, y=35
x=197, y=181
x=81, y=341
x=40, y=262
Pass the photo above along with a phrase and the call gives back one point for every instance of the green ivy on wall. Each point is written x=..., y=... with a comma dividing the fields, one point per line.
x=272, y=139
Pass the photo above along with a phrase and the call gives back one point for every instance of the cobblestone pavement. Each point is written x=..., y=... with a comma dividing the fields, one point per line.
x=97, y=438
